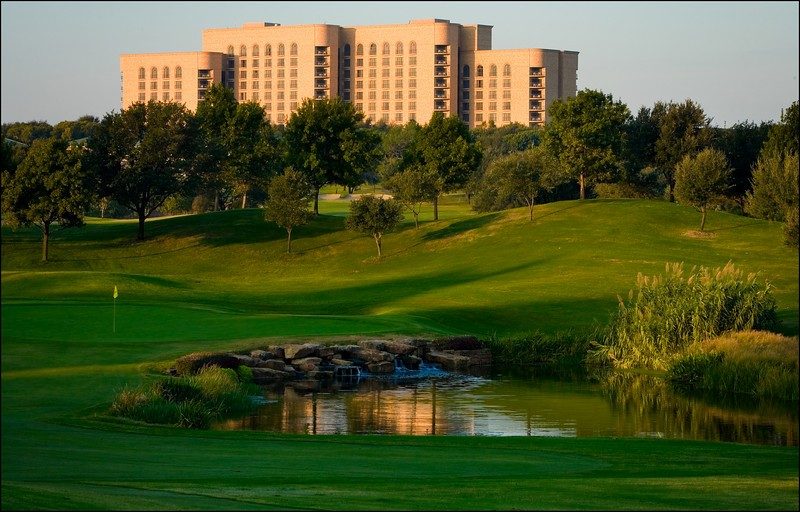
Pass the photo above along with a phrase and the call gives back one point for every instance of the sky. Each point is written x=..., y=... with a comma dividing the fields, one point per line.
x=738, y=60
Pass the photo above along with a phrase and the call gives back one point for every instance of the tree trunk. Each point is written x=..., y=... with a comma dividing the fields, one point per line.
x=316, y=201
x=216, y=200
x=289, y=241
x=244, y=200
x=672, y=192
x=45, y=240
x=140, y=236
x=582, y=180
x=702, y=219
x=416, y=219
x=378, y=243
x=436, y=207
x=102, y=212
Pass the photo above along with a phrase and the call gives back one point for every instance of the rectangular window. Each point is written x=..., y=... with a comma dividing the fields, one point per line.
x=347, y=85
x=268, y=84
x=412, y=61
x=506, y=82
x=398, y=61
x=479, y=105
x=359, y=84
x=293, y=72
x=268, y=62
x=398, y=117
x=412, y=72
x=506, y=116
x=385, y=61
x=347, y=62
x=268, y=106
x=465, y=117
x=243, y=96
x=385, y=95
x=506, y=105
x=255, y=96
x=178, y=85
x=478, y=95
x=492, y=117
x=372, y=84
x=478, y=84
x=492, y=95
x=465, y=106
x=280, y=84
x=231, y=63
x=371, y=106
x=372, y=61
x=359, y=95
x=492, y=83
x=385, y=117
x=267, y=95
x=242, y=85
x=280, y=63
x=293, y=61
x=293, y=105
x=398, y=105
x=373, y=73
x=280, y=106
x=412, y=105
x=280, y=95
x=268, y=73
x=398, y=84
x=386, y=72
x=293, y=84
x=398, y=72
x=281, y=118
x=360, y=106
x=478, y=118
x=385, y=84
x=398, y=95
x=359, y=62
x=465, y=95
x=506, y=95
x=255, y=85
x=141, y=86
x=255, y=63
x=178, y=96
x=465, y=84
x=141, y=96
x=385, y=105
x=243, y=74
x=255, y=73
x=492, y=105
x=412, y=95
x=280, y=73
x=243, y=63
x=372, y=95
x=293, y=95
x=359, y=73
x=153, y=85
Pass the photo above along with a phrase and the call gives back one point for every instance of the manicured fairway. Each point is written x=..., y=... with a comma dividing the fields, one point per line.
x=222, y=281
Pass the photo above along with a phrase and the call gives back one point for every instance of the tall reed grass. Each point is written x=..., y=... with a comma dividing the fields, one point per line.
x=666, y=313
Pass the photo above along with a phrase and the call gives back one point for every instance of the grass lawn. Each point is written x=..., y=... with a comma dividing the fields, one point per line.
x=223, y=280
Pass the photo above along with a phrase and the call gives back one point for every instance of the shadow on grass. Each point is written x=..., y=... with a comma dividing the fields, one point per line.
x=461, y=226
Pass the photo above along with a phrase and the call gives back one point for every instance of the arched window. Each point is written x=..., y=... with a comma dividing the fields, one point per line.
x=360, y=49
x=479, y=71
x=465, y=72
x=166, y=72
x=398, y=48
x=293, y=49
x=493, y=70
x=178, y=72
x=347, y=50
x=373, y=49
x=255, y=50
x=507, y=70
x=141, y=74
x=243, y=51
x=386, y=48
x=281, y=50
x=153, y=73
x=230, y=50
x=268, y=50
x=412, y=49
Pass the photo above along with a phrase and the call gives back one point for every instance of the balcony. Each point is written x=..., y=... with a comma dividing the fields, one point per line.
x=440, y=95
x=441, y=71
x=537, y=72
x=536, y=105
x=320, y=84
x=440, y=83
x=203, y=84
x=439, y=105
x=441, y=49
x=320, y=95
x=535, y=116
x=323, y=73
x=321, y=50
x=536, y=94
x=321, y=61
x=203, y=73
x=535, y=82
x=440, y=61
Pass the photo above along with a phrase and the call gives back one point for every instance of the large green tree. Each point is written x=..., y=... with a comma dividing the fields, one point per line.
x=741, y=144
x=53, y=185
x=288, y=202
x=702, y=180
x=586, y=133
x=213, y=116
x=519, y=178
x=146, y=153
x=784, y=137
x=447, y=150
x=374, y=216
x=412, y=187
x=328, y=141
x=684, y=130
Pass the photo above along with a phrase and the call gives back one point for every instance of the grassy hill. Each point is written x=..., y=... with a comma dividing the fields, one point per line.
x=223, y=280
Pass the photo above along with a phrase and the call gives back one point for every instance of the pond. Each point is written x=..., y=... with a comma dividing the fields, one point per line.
x=611, y=404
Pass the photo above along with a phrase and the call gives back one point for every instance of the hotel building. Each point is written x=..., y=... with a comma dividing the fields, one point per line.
x=393, y=73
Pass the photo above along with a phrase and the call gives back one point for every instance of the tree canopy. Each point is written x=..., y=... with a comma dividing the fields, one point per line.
x=701, y=180
x=288, y=202
x=374, y=216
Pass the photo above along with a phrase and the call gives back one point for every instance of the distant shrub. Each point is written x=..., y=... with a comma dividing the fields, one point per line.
x=791, y=230
x=670, y=311
x=192, y=363
x=623, y=191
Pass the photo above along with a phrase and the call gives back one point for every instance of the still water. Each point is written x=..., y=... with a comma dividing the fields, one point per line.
x=613, y=404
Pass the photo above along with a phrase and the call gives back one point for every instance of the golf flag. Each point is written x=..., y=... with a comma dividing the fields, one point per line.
x=115, y=292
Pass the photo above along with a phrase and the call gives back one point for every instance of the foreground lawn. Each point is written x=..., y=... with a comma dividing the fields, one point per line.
x=223, y=281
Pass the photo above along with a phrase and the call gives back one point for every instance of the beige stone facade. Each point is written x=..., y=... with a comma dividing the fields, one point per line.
x=393, y=73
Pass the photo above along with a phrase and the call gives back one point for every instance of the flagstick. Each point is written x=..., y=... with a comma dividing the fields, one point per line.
x=115, y=315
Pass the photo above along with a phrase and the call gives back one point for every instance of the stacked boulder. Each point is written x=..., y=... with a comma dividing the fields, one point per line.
x=308, y=364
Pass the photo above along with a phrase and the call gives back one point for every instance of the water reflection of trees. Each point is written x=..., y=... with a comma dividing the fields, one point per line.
x=655, y=408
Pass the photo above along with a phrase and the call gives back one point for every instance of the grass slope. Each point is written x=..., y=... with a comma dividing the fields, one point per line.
x=222, y=280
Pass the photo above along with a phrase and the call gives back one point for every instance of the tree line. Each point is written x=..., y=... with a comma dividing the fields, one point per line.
x=157, y=157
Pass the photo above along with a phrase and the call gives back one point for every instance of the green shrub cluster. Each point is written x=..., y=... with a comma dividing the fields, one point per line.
x=191, y=402
x=671, y=311
x=564, y=348
x=723, y=375
x=190, y=364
